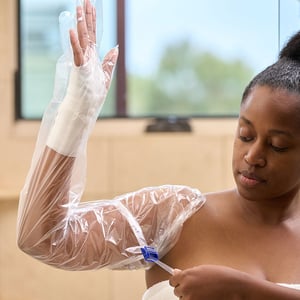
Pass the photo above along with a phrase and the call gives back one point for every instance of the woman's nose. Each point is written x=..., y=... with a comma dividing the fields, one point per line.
x=255, y=156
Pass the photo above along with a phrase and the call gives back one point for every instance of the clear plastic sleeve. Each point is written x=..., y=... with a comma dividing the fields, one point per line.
x=53, y=225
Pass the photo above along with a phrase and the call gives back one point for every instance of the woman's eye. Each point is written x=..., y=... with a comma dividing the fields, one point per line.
x=245, y=138
x=279, y=149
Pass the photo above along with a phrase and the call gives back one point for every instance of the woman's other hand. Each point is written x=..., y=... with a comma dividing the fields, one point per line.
x=207, y=282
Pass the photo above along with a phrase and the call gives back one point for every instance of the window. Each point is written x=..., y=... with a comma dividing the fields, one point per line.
x=178, y=58
x=40, y=48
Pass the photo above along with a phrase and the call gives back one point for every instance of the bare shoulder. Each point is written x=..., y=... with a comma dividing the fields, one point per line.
x=199, y=236
x=218, y=205
x=205, y=228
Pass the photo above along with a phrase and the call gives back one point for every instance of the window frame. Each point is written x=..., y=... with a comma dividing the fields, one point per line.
x=120, y=73
x=120, y=100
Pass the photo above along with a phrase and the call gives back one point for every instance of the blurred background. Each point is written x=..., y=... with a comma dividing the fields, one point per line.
x=178, y=61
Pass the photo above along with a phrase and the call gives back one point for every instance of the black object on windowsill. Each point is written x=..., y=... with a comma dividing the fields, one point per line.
x=169, y=124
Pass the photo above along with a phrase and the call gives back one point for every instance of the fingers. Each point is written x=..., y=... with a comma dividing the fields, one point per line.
x=86, y=24
x=109, y=63
x=90, y=17
x=175, y=282
x=86, y=31
x=86, y=37
x=83, y=36
x=77, y=51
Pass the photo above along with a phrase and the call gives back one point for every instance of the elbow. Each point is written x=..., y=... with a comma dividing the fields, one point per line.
x=22, y=242
x=27, y=246
x=42, y=251
x=32, y=244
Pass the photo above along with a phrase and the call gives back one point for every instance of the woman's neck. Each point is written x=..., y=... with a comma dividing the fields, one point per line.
x=276, y=211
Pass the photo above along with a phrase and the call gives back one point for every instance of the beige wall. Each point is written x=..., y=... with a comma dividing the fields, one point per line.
x=121, y=158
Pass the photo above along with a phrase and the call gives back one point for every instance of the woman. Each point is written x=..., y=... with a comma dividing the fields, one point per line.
x=241, y=243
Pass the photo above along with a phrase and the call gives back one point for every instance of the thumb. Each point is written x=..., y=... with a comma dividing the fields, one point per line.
x=176, y=272
x=174, y=280
x=109, y=63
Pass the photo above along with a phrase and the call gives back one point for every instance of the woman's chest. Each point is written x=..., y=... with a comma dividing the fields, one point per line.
x=269, y=252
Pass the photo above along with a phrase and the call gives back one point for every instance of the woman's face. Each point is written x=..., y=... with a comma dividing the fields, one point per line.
x=266, y=154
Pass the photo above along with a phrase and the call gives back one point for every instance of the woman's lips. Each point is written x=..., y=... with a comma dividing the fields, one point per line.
x=250, y=179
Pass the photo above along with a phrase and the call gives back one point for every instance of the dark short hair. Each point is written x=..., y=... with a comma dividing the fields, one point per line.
x=283, y=74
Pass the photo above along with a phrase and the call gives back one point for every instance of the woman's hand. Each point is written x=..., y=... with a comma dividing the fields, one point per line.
x=86, y=33
x=207, y=282
x=87, y=88
x=223, y=283
x=84, y=41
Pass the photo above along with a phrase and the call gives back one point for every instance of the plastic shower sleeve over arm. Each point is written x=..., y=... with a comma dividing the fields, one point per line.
x=53, y=225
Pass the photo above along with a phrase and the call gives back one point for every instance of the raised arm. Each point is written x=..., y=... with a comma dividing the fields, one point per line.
x=53, y=226
x=56, y=178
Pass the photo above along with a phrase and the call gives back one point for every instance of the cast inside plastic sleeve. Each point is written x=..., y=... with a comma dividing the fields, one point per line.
x=86, y=88
x=80, y=108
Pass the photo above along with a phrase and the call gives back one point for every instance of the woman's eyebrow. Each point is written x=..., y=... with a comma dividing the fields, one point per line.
x=281, y=132
x=271, y=131
x=246, y=120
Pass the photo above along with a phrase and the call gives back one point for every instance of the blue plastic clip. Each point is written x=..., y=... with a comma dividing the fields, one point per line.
x=151, y=255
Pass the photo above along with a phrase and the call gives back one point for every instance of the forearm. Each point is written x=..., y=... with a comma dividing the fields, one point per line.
x=44, y=199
